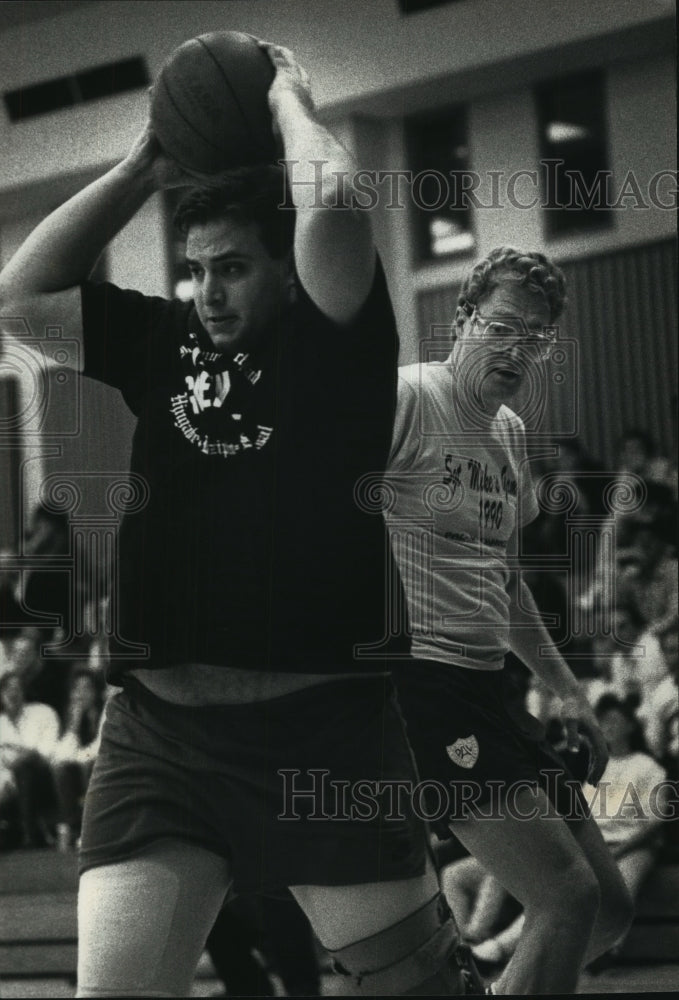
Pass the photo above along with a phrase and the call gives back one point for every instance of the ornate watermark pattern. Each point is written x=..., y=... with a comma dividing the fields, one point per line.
x=315, y=795
x=526, y=190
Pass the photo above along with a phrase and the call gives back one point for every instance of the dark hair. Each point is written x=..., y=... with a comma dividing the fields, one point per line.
x=246, y=195
x=610, y=702
x=529, y=268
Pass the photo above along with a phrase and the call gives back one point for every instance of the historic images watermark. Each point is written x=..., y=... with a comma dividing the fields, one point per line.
x=313, y=795
x=550, y=187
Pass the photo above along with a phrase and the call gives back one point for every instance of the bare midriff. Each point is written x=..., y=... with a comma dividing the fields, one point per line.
x=195, y=684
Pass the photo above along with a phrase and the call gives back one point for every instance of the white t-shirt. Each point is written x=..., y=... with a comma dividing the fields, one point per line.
x=625, y=796
x=641, y=673
x=37, y=728
x=655, y=713
x=456, y=499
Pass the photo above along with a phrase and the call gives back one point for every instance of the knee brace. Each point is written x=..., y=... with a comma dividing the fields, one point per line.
x=421, y=955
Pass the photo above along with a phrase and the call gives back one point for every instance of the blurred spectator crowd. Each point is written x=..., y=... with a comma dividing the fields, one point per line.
x=601, y=560
x=614, y=614
x=611, y=606
x=52, y=687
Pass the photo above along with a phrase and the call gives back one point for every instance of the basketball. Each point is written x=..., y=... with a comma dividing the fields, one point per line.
x=209, y=107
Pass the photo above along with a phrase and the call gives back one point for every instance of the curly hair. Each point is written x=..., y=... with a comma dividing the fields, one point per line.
x=246, y=195
x=528, y=268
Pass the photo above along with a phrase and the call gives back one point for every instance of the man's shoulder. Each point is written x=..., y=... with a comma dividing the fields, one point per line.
x=126, y=333
x=426, y=376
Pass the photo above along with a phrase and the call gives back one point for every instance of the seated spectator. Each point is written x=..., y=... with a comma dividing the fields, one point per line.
x=9, y=818
x=75, y=752
x=657, y=512
x=612, y=651
x=648, y=577
x=631, y=661
x=43, y=680
x=661, y=704
x=630, y=824
x=11, y=614
x=637, y=452
x=28, y=737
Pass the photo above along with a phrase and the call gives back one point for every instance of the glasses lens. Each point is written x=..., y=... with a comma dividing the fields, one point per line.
x=502, y=331
x=539, y=347
x=507, y=335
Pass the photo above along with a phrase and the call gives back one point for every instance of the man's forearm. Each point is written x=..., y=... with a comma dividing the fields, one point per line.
x=320, y=170
x=334, y=249
x=62, y=250
x=528, y=636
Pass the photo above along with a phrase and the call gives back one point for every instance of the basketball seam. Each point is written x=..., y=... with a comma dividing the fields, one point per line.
x=187, y=121
x=245, y=118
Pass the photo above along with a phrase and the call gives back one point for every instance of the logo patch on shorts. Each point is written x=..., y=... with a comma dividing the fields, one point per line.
x=464, y=751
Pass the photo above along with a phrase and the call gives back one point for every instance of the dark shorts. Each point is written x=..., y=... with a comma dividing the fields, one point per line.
x=473, y=753
x=287, y=790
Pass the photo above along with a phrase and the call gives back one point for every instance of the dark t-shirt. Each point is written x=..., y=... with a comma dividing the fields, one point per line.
x=248, y=547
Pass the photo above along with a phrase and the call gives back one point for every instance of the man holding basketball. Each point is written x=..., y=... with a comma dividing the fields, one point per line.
x=247, y=578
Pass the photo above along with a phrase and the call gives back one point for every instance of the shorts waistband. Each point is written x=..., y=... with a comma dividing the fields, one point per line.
x=379, y=686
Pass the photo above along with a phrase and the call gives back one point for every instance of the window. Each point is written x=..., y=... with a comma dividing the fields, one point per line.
x=415, y=6
x=67, y=91
x=574, y=151
x=438, y=157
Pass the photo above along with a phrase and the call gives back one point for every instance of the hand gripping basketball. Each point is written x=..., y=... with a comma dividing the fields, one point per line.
x=210, y=109
x=290, y=78
x=147, y=155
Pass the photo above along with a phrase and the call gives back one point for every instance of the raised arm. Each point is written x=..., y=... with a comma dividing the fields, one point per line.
x=41, y=281
x=334, y=250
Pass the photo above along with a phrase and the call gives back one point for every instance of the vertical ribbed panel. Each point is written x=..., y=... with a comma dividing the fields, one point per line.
x=436, y=308
x=622, y=311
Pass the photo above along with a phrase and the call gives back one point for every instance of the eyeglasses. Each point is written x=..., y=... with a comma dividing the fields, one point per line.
x=514, y=332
